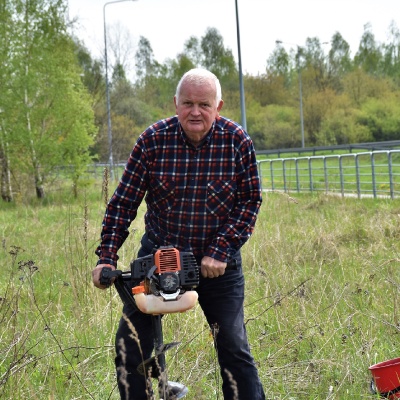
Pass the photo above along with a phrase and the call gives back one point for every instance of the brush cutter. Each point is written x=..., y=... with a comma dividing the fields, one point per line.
x=162, y=283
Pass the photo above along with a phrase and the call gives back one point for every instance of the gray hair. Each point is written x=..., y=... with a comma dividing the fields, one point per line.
x=200, y=76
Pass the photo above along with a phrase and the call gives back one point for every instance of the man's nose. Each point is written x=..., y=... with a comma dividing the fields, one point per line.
x=195, y=109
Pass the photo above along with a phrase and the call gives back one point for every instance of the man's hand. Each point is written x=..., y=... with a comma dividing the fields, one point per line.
x=96, y=275
x=212, y=268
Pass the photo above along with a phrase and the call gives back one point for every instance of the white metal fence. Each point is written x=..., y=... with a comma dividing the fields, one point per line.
x=373, y=174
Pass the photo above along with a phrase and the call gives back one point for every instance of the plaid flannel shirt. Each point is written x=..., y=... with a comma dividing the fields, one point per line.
x=204, y=200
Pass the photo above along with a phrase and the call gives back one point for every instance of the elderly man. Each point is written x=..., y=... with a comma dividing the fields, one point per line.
x=198, y=173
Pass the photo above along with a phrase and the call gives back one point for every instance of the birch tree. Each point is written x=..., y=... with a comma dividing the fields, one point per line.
x=5, y=72
x=51, y=118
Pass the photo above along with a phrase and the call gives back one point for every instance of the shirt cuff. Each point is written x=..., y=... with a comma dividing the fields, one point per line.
x=107, y=258
x=217, y=253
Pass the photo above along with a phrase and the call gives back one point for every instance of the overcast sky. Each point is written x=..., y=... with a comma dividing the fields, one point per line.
x=167, y=24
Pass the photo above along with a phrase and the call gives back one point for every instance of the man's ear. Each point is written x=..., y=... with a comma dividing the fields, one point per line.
x=175, y=102
x=221, y=103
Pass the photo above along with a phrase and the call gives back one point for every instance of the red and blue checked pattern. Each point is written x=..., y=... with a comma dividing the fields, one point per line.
x=203, y=200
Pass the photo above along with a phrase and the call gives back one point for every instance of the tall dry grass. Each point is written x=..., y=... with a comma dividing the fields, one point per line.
x=322, y=305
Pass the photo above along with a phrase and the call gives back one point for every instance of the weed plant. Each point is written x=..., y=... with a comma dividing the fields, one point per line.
x=322, y=305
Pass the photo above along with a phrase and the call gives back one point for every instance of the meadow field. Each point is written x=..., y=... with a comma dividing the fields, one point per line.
x=322, y=300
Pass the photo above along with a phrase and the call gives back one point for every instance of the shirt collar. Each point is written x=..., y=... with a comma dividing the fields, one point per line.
x=204, y=142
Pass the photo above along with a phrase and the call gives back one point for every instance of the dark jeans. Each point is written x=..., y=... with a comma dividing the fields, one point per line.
x=221, y=300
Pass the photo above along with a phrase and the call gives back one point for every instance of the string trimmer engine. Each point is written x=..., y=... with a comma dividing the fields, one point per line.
x=167, y=272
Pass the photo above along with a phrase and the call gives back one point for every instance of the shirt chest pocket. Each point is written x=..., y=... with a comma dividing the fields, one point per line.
x=220, y=197
x=161, y=195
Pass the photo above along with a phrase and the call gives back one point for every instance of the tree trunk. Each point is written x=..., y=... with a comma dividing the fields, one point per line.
x=6, y=189
x=35, y=163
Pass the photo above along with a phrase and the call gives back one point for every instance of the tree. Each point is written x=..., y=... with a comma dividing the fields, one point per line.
x=215, y=57
x=146, y=64
x=341, y=126
x=278, y=63
x=121, y=50
x=49, y=108
x=368, y=56
x=129, y=115
x=360, y=86
x=391, y=54
x=274, y=127
x=178, y=67
x=381, y=118
x=5, y=78
x=270, y=88
x=192, y=50
x=339, y=61
x=93, y=75
x=148, y=70
x=319, y=104
x=315, y=63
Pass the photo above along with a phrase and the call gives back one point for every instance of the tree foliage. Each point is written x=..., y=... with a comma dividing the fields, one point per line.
x=338, y=91
x=47, y=119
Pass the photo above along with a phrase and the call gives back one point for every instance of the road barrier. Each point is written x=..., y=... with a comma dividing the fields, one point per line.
x=368, y=174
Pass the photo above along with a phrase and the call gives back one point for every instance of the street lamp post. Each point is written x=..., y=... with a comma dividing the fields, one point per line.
x=241, y=86
x=301, y=98
x=110, y=150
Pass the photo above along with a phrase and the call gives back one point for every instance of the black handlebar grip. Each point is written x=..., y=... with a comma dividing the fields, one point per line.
x=107, y=274
x=232, y=264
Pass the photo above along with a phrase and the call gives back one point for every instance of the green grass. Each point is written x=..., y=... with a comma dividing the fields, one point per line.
x=322, y=305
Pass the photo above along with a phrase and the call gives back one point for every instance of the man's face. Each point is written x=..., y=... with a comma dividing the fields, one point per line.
x=197, y=109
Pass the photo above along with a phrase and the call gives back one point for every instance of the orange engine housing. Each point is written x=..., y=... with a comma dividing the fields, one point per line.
x=167, y=260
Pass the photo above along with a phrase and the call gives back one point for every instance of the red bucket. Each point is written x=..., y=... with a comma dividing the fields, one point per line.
x=386, y=376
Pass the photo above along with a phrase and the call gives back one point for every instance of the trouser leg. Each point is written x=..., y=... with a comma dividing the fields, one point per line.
x=134, y=344
x=222, y=302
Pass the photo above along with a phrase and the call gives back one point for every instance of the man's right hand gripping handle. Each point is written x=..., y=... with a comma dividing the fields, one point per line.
x=100, y=278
